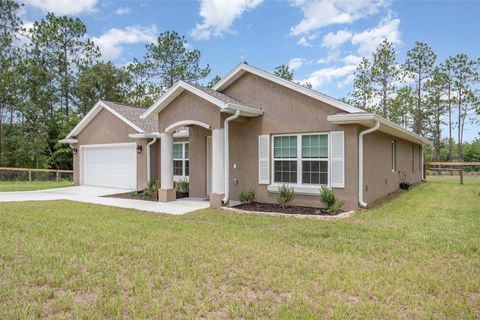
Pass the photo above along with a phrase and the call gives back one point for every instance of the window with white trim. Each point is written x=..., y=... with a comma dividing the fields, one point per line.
x=393, y=155
x=181, y=168
x=301, y=159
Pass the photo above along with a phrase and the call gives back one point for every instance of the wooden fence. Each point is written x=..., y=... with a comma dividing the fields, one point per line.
x=450, y=167
x=30, y=170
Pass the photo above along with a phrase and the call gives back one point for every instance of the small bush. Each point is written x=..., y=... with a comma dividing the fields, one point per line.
x=247, y=196
x=285, y=196
x=134, y=194
x=147, y=193
x=153, y=186
x=182, y=186
x=330, y=200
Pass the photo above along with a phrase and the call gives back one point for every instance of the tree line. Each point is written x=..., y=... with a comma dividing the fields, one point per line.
x=52, y=74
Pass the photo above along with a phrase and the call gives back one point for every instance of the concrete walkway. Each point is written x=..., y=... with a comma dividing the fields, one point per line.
x=94, y=195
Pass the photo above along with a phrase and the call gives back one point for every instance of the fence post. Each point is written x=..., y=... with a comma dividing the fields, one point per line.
x=461, y=174
x=29, y=175
x=58, y=176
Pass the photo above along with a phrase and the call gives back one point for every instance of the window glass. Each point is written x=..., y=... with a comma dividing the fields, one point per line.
x=177, y=151
x=187, y=168
x=177, y=168
x=315, y=146
x=285, y=171
x=315, y=172
x=285, y=147
x=186, y=150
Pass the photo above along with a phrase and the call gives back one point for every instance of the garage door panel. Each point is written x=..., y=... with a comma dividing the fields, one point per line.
x=110, y=166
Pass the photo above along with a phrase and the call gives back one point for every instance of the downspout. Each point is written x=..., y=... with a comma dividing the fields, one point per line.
x=360, y=162
x=148, y=158
x=422, y=166
x=226, y=164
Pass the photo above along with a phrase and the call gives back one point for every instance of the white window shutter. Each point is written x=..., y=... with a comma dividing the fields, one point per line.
x=337, y=159
x=263, y=159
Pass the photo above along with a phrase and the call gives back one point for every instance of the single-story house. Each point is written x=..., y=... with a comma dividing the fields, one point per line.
x=252, y=130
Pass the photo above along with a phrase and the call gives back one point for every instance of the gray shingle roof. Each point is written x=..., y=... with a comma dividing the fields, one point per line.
x=220, y=96
x=133, y=114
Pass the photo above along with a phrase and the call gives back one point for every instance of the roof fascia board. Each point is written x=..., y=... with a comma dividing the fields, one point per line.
x=242, y=68
x=355, y=118
x=93, y=112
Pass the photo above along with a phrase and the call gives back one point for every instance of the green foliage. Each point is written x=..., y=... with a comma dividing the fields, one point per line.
x=214, y=81
x=285, y=196
x=170, y=59
x=247, y=196
x=102, y=81
x=147, y=193
x=134, y=194
x=182, y=186
x=330, y=200
x=153, y=186
x=284, y=72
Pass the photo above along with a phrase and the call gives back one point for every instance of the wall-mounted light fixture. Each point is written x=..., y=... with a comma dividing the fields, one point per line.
x=74, y=149
x=139, y=149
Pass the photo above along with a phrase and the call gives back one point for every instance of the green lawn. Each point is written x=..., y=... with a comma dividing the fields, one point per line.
x=416, y=257
x=34, y=185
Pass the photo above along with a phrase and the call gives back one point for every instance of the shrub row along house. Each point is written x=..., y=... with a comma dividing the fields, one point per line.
x=252, y=130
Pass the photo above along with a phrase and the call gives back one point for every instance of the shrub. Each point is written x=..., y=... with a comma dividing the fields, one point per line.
x=247, y=196
x=182, y=186
x=285, y=196
x=330, y=200
x=147, y=193
x=133, y=194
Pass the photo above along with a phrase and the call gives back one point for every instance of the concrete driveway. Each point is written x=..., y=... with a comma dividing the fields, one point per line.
x=94, y=195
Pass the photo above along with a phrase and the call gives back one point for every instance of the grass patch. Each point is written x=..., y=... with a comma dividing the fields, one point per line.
x=415, y=257
x=34, y=185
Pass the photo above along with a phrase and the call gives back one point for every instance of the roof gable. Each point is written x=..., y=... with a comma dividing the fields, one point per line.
x=127, y=114
x=222, y=101
x=242, y=68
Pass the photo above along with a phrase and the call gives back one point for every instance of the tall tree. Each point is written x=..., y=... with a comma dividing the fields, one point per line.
x=362, y=84
x=10, y=26
x=384, y=73
x=419, y=65
x=171, y=59
x=284, y=72
x=401, y=107
x=436, y=87
x=447, y=69
x=141, y=92
x=64, y=42
x=102, y=81
x=464, y=77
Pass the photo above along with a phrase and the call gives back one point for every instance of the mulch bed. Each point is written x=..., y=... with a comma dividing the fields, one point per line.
x=272, y=207
x=141, y=196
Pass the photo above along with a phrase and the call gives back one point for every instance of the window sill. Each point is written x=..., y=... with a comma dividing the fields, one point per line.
x=298, y=189
x=180, y=178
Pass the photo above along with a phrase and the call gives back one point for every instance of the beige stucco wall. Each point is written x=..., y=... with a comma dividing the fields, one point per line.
x=198, y=161
x=285, y=111
x=106, y=128
x=379, y=180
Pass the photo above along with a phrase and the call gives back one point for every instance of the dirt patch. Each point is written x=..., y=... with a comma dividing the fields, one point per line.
x=272, y=207
x=141, y=196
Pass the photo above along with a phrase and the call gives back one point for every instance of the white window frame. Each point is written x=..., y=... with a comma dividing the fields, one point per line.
x=182, y=177
x=299, y=187
x=393, y=155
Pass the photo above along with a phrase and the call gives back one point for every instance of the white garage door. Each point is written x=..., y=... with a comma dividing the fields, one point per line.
x=110, y=165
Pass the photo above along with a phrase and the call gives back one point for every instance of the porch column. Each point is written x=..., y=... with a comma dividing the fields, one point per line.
x=218, y=181
x=166, y=192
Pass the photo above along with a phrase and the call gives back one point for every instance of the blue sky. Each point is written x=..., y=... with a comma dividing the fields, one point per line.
x=321, y=39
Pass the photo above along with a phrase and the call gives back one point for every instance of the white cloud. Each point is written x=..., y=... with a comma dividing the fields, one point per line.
x=219, y=15
x=296, y=63
x=321, y=13
x=122, y=11
x=304, y=42
x=111, y=42
x=332, y=56
x=326, y=75
x=352, y=59
x=333, y=40
x=369, y=39
x=64, y=7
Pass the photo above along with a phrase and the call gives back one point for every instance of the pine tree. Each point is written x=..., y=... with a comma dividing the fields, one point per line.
x=419, y=65
x=384, y=73
x=362, y=84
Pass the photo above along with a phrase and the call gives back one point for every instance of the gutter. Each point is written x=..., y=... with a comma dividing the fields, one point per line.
x=226, y=164
x=148, y=158
x=360, y=162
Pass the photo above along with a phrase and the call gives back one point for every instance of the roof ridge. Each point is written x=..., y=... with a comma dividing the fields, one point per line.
x=122, y=104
